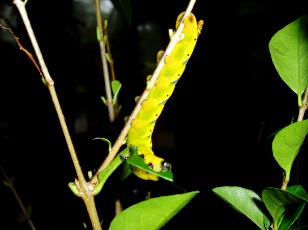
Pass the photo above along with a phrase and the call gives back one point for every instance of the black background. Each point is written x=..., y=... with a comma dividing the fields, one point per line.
x=229, y=93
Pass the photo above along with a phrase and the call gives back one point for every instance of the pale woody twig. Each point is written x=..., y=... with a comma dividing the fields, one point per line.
x=109, y=100
x=85, y=189
x=50, y=83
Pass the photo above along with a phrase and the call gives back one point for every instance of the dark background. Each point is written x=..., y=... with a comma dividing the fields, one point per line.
x=213, y=130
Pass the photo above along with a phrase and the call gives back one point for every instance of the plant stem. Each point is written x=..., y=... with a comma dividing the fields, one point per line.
x=109, y=100
x=86, y=189
x=303, y=108
x=9, y=183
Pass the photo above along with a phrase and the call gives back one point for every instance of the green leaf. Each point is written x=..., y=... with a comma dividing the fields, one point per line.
x=115, y=86
x=288, y=49
x=29, y=211
x=74, y=188
x=108, y=57
x=6, y=183
x=245, y=202
x=90, y=175
x=151, y=214
x=9, y=182
x=125, y=171
x=272, y=135
x=104, y=100
x=287, y=143
x=297, y=190
x=98, y=34
x=136, y=160
x=284, y=206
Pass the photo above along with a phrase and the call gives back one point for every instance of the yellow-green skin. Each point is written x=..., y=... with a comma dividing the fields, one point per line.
x=140, y=133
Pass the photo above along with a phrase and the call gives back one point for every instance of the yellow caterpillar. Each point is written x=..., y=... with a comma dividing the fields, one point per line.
x=140, y=133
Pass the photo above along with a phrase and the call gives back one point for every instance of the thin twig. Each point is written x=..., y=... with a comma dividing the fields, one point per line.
x=301, y=114
x=22, y=48
x=9, y=183
x=110, y=59
x=109, y=100
x=111, y=66
x=85, y=189
x=50, y=83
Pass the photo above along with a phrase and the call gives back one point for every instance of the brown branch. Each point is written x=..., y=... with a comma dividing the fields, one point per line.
x=9, y=183
x=22, y=48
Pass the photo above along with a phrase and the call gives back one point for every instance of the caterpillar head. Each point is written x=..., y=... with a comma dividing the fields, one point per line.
x=166, y=166
x=155, y=163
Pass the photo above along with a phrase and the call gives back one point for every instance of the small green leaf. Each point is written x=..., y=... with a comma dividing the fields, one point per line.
x=90, y=175
x=74, y=188
x=126, y=171
x=98, y=33
x=245, y=202
x=9, y=182
x=44, y=81
x=104, y=100
x=288, y=49
x=115, y=86
x=287, y=143
x=29, y=211
x=108, y=57
x=151, y=214
x=6, y=183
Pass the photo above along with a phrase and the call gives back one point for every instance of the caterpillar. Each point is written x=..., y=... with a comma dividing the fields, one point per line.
x=140, y=133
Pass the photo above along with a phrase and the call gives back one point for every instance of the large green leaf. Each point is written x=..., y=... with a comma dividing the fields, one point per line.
x=245, y=202
x=151, y=214
x=284, y=206
x=289, y=49
x=287, y=143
